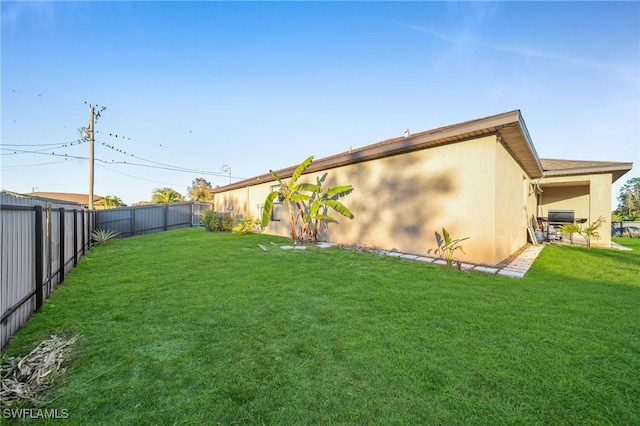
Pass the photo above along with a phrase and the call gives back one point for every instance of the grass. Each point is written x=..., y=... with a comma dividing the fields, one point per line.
x=189, y=327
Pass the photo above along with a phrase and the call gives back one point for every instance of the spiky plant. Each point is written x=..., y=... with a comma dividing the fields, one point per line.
x=101, y=236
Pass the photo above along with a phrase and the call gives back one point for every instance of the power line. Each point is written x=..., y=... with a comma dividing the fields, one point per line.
x=160, y=166
x=140, y=178
x=165, y=166
x=34, y=165
x=153, y=164
x=53, y=154
x=60, y=144
x=26, y=151
x=120, y=136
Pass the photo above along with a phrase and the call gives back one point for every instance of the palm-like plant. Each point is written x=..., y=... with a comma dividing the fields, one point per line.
x=320, y=203
x=110, y=202
x=570, y=229
x=166, y=195
x=591, y=232
x=291, y=194
x=306, y=204
x=447, y=246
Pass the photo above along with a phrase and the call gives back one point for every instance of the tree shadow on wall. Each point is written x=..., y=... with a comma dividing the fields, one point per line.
x=398, y=205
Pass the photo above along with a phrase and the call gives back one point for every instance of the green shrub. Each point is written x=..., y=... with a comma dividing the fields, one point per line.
x=247, y=225
x=216, y=222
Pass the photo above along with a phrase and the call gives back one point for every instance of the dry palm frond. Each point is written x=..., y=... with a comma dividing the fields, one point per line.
x=24, y=379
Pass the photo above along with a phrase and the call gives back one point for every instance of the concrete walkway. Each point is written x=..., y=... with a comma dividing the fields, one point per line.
x=521, y=264
x=517, y=268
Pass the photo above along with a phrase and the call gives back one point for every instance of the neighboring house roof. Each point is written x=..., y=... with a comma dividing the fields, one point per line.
x=81, y=199
x=554, y=167
x=509, y=126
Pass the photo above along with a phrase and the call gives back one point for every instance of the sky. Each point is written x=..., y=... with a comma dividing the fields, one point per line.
x=229, y=90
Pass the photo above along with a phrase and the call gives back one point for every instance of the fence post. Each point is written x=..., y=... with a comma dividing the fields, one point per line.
x=90, y=216
x=133, y=221
x=62, y=242
x=75, y=237
x=166, y=216
x=91, y=226
x=39, y=256
x=82, y=222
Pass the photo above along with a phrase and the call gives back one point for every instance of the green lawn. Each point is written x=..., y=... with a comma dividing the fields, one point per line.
x=189, y=327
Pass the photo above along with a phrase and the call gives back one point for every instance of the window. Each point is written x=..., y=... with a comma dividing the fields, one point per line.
x=276, y=210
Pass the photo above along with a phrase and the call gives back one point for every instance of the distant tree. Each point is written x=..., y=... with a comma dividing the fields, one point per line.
x=629, y=201
x=141, y=203
x=200, y=190
x=110, y=202
x=166, y=195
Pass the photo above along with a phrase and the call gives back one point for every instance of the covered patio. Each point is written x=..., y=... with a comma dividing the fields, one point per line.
x=580, y=187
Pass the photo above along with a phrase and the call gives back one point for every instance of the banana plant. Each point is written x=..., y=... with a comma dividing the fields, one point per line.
x=307, y=205
x=320, y=204
x=447, y=246
x=292, y=194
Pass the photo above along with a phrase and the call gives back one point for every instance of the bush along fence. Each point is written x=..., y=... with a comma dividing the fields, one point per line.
x=40, y=243
x=147, y=219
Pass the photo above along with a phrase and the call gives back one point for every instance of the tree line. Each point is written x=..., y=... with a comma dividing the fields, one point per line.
x=200, y=190
x=628, y=202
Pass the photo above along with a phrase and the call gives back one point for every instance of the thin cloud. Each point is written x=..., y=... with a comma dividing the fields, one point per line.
x=15, y=13
x=466, y=40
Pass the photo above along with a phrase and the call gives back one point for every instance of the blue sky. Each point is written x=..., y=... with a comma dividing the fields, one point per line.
x=262, y=85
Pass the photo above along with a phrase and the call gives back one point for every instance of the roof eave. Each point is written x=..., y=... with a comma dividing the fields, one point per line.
x=617, y=171
x=519, y=144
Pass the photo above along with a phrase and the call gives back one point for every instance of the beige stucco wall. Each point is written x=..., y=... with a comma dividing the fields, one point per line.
x=588, y=195
x=515, y=205
x=474, y=189
x=575, y=197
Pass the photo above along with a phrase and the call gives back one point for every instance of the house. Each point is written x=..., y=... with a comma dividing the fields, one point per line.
x=481, y=179
x=67, y=197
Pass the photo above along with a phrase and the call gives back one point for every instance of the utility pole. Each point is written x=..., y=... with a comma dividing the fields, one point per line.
x=91, y=159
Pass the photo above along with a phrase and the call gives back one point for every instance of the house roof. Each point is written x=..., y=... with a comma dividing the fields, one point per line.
x=555, y=167
x=81, y=199
x=509, y=126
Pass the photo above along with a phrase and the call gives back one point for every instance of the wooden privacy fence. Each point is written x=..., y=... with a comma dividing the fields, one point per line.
x=40, y=243
x=136, y=220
